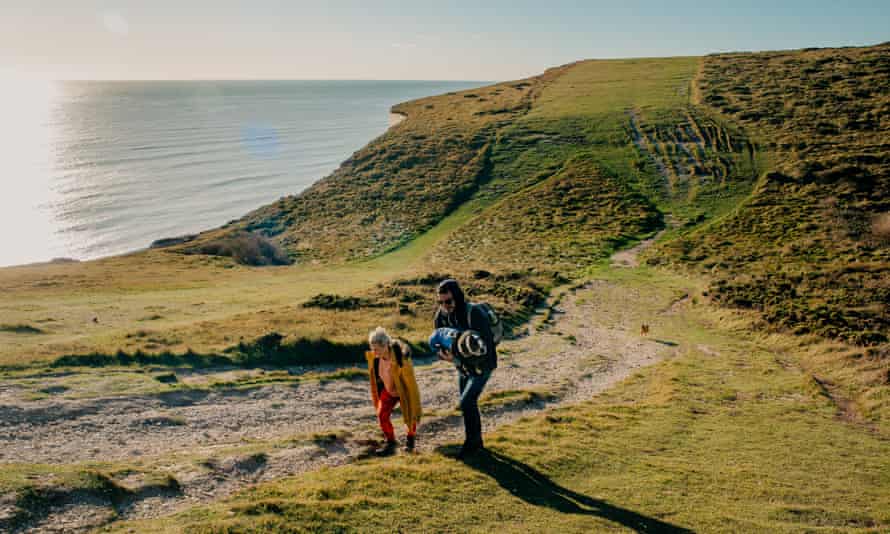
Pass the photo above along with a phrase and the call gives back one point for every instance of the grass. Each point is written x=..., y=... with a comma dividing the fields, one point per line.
x=205, y=309
x=805, y=249
x=38, y=488
x=568, y=220
x=725, y=436
x=768, y=172
x=511, y=144
x=515, y=397
x=114, y=381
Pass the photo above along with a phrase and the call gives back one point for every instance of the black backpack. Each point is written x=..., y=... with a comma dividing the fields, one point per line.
x=494, y=322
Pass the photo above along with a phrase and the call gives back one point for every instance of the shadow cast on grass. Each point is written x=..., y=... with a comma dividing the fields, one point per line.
x=535, y=488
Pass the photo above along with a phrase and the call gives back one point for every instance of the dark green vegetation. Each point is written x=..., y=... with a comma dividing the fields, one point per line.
x=810, y=247
x=268, y=350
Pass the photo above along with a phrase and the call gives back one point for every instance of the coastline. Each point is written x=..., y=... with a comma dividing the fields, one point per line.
x=396, y=118
x=160, y=156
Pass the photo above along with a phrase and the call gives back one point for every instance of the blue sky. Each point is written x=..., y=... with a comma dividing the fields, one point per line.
x=463, y=40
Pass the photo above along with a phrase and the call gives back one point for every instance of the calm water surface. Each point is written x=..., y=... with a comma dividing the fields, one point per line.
x=91, y=169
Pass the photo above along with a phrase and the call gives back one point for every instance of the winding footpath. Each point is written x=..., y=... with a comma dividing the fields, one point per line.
x=569, y=353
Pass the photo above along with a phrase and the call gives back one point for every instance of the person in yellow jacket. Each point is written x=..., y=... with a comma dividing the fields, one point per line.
x=392, y=382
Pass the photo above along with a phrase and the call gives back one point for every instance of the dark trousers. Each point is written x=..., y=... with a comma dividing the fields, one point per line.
x=470, y=388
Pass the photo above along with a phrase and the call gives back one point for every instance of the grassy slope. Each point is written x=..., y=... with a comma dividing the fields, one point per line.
x=157, y=301
x=807, y=248
x=578, y=132
x=726, y=436
x=569, y=220
x=179, y=301
x=742, y=440
x=806, y=251
x=402, y=183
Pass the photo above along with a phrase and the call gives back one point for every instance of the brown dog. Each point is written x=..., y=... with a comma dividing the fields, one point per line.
x=644, y=329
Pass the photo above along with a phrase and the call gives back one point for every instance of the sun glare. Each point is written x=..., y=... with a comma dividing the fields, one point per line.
x=27, y=230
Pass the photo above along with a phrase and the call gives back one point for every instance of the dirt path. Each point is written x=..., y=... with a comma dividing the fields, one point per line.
x=219, y=442
x=630, y=257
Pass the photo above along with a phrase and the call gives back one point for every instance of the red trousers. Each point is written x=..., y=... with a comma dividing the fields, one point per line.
x=385, y=406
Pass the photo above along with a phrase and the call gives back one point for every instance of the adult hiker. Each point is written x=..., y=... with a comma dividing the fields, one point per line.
x=455, y=312
x=392, y=382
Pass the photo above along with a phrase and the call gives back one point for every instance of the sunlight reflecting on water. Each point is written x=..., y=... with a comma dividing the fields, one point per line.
x=94, y=169
x=27, y=141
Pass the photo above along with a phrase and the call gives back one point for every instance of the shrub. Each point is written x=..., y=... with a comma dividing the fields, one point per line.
x=336, y=302
x=269, y=350
x=246, y=248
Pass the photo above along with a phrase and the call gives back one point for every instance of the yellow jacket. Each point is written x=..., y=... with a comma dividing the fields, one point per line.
x=403, y=375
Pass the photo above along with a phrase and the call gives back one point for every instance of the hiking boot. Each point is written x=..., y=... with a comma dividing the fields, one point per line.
x=389, y=449
x=410, y=442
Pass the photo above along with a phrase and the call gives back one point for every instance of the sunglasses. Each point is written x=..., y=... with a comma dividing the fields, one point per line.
x=446, y=302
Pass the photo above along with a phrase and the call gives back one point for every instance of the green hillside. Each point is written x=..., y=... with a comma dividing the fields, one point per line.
x=762, y=180
x=810, y=248
x=767, y=171
x=402, y=183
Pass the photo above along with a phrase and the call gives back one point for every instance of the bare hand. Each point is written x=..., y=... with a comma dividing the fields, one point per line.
x=446, y=355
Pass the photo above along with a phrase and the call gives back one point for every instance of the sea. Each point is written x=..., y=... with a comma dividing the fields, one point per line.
x=91, y=169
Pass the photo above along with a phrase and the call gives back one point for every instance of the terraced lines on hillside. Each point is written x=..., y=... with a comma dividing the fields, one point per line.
x=693, y=152
x=808, y=252
x=807, y=248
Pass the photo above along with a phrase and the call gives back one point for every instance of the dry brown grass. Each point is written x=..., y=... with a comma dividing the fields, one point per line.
x=880, y=226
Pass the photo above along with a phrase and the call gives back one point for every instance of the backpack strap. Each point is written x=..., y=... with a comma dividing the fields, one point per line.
x=397, y=350
x=376, y=376
x=470, y=315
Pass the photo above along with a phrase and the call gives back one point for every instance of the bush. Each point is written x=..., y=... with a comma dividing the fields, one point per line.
x=246, y=248
x=168, y=359
x=336, y=302
x=269, y=350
